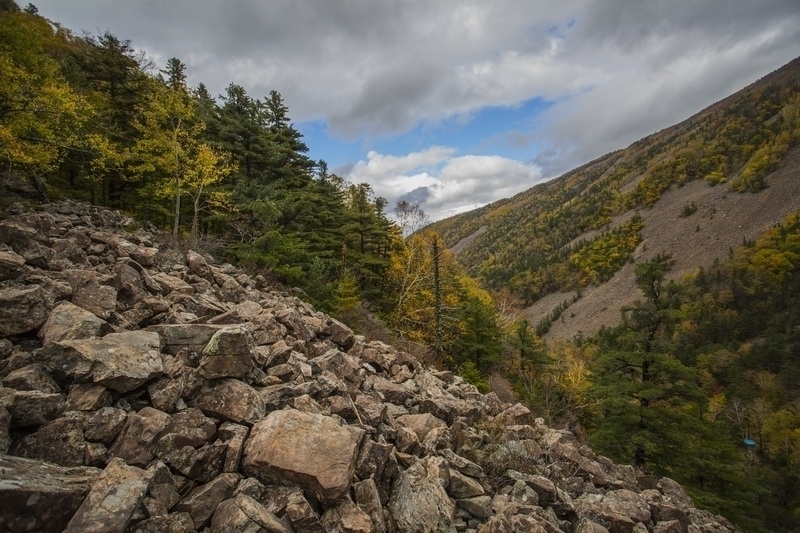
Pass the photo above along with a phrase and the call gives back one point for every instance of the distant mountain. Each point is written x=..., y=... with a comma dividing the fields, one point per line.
x=695, y=190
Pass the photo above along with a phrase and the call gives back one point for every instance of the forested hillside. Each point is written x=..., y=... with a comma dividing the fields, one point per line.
x=90, y=118
x=578, y=230
x=695, y=360
x=658, y=263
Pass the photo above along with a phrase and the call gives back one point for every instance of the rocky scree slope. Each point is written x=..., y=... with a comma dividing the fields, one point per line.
x=149, y=390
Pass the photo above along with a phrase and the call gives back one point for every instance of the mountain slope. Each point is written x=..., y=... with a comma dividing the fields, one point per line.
x=145, y=388
x=695, y=190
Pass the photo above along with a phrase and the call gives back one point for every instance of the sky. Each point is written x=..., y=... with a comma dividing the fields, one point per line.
x=453, y=104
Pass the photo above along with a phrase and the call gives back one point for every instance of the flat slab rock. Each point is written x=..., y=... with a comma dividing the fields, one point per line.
x=310, y=450
x=39, y=496
x=119, y=361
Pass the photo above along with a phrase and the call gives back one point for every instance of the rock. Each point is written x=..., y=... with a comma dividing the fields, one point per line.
x=301, y=515
x=266, y=329
x=449, y=409
x=234, y=435
x=463, y=465
x=171, y=523
x=5, y=425
x=346, y=517
x=60, y=442
x=186, y=428
x=341, y=365
x=11, y=264
x=233, y=401
x=673, y=492
x=372, y=459
x=619, y=511
x=165, y=392
x=105, y=425
x=516, y=414
x=144, y=255
x=198, y=265
x=40, y=496
x=293, y=321
x=35, y=377
x=112, y=500
x=244, y=514
x=22, y=310
x=69, y=322
x=189, y=337
x=421, y=424
x=135, y=442
x=478, y=506
x=162, y=485
x=588, y=526
x=202, y=501
x=170, y=284
x=229, y=353
x=93, y=292
x=201, y=465
x=419, y=503
x=310, y=450
x=337, y=332
x=33, y=408
x=462, y=486
x=119, y=361
x=544, y=488
x=372, y=412
x=368, y=500
x=85, y=397
x=391, y=392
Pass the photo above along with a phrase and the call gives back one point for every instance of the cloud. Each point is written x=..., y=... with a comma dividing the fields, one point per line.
x=611, y=71
x=441, y=182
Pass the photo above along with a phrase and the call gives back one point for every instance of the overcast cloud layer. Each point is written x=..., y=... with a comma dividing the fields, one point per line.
x=610, y=72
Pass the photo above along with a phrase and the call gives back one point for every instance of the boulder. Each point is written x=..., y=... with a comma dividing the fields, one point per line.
x=11, y=264
x=35, y=377
x=234, y=435
x=462, y=486
x=68, y=322
x=338, y=333
x=60, y=442
x=421, y=424
x=93, y=292
x=186, y=428
x=33, y=408
x=134, y=444
x=86, y=397
x=312, y=451
x=191, y=337
x=419, y=503
x=171, y=523
x=119, y=361
x=202, y=501
x=244, y=514
x=229, y=353
x=40, y=496
x=294, y=323
x=234, y=401
x=368, y=500
x=22, y=310
x=346, y=517
x=301, y=515
x=105, y=425
x=113, y=499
